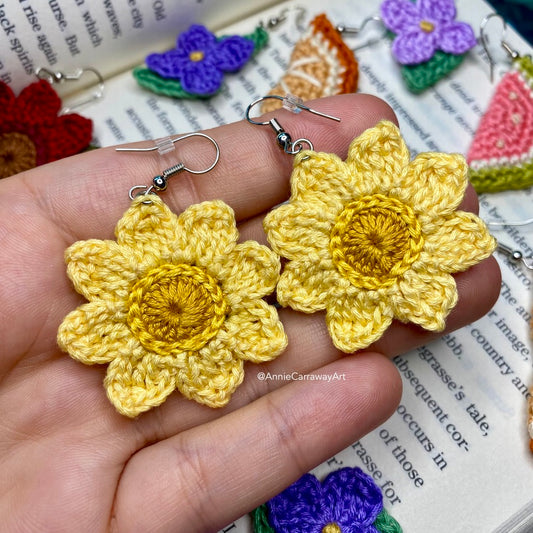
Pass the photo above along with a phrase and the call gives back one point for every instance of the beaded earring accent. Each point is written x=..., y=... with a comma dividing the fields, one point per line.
x=174, y=303
x=196, y=67
x=429, y=43
x=501, y=153
x=321, y=64
x=347, y=500
x=376, y=237
x=32, y=132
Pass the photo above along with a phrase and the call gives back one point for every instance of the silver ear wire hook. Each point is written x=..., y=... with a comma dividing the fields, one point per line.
x=60, y=77
x=516, y=256
x=160, y=182
x=342, y=29
x=513, y=54
x=275, y=21
x=283, y=138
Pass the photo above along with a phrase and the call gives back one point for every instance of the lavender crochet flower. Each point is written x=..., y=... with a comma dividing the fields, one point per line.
x=425, y=27
x=347, y=501
x=200, y=59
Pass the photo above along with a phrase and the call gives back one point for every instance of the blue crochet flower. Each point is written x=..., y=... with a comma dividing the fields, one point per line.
x=200, y=59
x=347, y=501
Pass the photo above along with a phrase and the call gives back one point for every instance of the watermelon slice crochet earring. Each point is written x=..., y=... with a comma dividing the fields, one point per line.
x=174, y=303
x=501, y=153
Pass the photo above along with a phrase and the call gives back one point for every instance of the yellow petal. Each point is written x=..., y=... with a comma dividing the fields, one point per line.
x=251, y=271
x=425, y=299
x=307, y=285
x=211, y=375
x=254, y=333
x=298, y=229
x=206, y=230
x=101, y=269
x=458, y=241
x=321, y=180
x=149, y=229
x=356, y=322
x=377, y=157
x=95, y=332
x=433, y=185
x=136, y=384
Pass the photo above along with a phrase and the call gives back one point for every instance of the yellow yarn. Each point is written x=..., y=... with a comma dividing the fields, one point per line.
x=331, y=528
x=175, y=302
x=375, y=237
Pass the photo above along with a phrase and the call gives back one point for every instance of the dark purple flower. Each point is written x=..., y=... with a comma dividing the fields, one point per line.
x=425, y=27
x=200, y=59
x=348, y=501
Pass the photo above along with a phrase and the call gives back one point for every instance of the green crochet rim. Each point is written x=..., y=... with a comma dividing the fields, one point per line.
x=420, y=77
x=504, y=178
x=171, y=87
x=384, y=523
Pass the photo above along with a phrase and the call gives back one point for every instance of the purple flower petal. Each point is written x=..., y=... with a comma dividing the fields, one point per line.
x=456, y=38
x=168, y=64
x=201, y=77
x=399, y=15
x=233, y=52
x=414, y=47
x=196, y=38
x=437, y=11
x=299, y=508
x=354, y=498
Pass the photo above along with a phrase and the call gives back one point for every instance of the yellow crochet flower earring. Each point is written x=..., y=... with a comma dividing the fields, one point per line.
x=376, y=237
x=174, y=303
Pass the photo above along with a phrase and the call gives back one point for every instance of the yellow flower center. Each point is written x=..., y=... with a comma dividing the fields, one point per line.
x=374, y=240
x=196, y=56
x=331, y=528
x=427, y=26
x=17, y=153
x=176, y=307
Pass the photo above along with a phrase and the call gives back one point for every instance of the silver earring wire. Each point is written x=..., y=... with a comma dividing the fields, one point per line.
x=160, y=182
x=342, y=29
x=283, y=138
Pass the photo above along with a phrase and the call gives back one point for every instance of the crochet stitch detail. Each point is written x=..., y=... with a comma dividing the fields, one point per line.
x=174, y=302
x=32, y=133
x=375, y=237
x=196, y=67
x=501, y=153
x=348, y=500
x=320, y=65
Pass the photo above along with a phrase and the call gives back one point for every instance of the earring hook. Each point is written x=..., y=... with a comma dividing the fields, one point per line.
x=283, y=138
x=342, y=29
x=513, y=54
x=59, y=77
x=160, y=182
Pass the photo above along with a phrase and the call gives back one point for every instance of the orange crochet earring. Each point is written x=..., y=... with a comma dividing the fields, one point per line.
x=174, y=303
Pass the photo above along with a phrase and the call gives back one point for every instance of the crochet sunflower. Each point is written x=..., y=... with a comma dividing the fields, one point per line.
x=174, y=303
x=376, y=237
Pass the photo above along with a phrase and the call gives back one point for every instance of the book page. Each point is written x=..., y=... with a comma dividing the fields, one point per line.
x=455, y=455
x=109, y=35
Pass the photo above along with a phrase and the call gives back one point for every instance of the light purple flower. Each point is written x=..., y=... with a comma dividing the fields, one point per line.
x=200, y=59
x=425, y=27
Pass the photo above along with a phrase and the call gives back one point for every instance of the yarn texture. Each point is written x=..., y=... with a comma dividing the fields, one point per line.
x=425, y=27
x=501, y=153
x=320, y=65
x=376, y=237
x=32, y=133
x=347, y=501
x=196, y=67
x=174, y=303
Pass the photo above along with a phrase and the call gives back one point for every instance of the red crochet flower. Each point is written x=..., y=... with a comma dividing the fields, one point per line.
x=32, y=134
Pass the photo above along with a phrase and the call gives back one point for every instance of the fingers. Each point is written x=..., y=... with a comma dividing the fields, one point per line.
x=87, y=194
x=282, y=435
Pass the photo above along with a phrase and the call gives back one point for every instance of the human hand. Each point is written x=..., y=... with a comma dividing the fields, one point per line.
x=69, y=461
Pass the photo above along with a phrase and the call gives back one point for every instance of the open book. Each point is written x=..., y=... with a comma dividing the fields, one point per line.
x=455, y=455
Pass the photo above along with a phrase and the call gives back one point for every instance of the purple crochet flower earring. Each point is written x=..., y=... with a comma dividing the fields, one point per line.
x=429, y=43
x=196, y=67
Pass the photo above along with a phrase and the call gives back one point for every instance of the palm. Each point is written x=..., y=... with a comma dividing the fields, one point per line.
x=69, y=461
